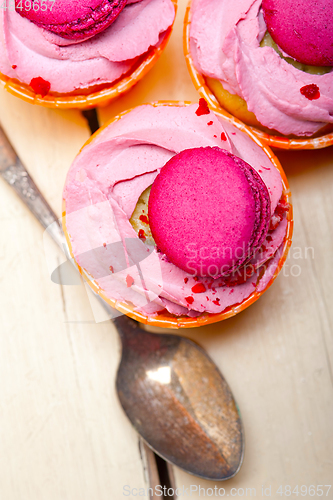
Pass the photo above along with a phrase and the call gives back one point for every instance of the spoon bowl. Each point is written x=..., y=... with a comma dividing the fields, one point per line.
x=178, y=401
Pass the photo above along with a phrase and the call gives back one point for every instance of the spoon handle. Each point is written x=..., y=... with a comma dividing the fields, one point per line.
x=15, y=174
x=13, y=171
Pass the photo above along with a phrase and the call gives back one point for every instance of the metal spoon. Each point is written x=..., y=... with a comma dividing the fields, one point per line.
x=178, y=401
x=171, y=391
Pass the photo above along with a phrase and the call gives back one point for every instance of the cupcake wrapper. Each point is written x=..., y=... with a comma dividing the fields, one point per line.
x=267, y=138
x=167, y=320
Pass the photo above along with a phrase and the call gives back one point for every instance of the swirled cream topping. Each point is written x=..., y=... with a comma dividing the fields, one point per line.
x=28, y=52
x=225, y=45
x=102, y=190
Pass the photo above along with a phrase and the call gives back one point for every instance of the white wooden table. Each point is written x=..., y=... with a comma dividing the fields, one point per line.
x=63, y=435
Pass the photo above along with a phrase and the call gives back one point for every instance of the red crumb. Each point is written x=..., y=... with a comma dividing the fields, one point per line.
x=277, y=217
x=196, y=278
x=275, y=221
x=210, y=123
x=310, y=91
x=269, y=238
x=40, y=86
x=282, y=207
x=223, y=137
x=14, y=66
x=189, y=300
x=216, y=302
x=111, y=269
x=198, y=288
x=142, y=235
x=144, y=219
x=185, y=280
x=104, y=245
x=203, y=108
x=129, y=281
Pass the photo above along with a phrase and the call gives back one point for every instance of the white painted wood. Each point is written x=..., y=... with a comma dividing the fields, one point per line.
x=167, y=80
x=277, y=355
x=62, y=432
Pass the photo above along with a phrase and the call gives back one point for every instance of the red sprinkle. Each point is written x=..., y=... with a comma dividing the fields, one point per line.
x=216, y=302
x=144, y=219
x=310, y=91
x=40, y=86
x=111, y=269
x=274, y=222
x=203, y=108
x=223, y=137
x=185, y=280
x=142, y=235
x=215, y=135
x=189, y=300
x=269, y=238
x=277, y=217
x=282, y=207
x=14, y=66
x=210, y=123
x=129, y=281
x=104, y=245
x=198, y=288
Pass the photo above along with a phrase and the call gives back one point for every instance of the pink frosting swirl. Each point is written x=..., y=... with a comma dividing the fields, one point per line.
x=27, y=51
x=225, y=45
x=102, y=189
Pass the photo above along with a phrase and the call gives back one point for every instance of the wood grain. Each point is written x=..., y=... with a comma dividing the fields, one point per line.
x=62, y=432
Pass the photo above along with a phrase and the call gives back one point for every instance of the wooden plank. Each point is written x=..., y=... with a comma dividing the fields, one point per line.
x=167, y=80
x=63, y=433
x=277, y=355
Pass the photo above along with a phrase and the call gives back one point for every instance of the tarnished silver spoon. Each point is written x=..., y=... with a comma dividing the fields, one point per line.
x=171, y=391
x=179, y=402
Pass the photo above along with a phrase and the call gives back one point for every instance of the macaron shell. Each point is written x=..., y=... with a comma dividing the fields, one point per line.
x=208, y=211
x=73, y=20
x=302, y=28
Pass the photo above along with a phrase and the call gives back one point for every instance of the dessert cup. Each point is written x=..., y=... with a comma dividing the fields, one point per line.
x=94, y=96
x=164, y=318
x=234, y=108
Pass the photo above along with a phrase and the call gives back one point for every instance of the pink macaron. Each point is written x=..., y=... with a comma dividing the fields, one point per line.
x=71, y=19
x=209, y=211
x=302, y=28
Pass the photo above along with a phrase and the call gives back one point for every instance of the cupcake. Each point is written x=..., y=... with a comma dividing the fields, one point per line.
x=247, y=60
x=79, y=54
x=175, y=217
